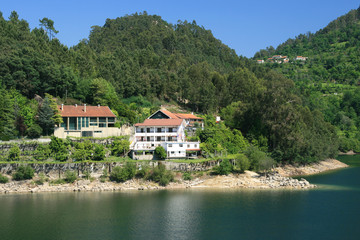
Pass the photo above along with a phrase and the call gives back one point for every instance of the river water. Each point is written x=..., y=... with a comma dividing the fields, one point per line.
x=331, y=211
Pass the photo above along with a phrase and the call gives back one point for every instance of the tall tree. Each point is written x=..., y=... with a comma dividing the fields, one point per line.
x=48, y=24
x=45, y=117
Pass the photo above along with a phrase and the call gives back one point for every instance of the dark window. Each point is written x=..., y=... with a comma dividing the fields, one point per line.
x=158, y=139
x=111, y=119
x=102, y=119
x=86, y=133
x=79, y=123
x=72, y=123
x=93, y=119
x=64, y=123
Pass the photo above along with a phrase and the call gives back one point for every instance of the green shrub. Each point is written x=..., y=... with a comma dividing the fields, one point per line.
x=87, y=175
x=41, y=179
x=254, y=155
x=105, y=173
x=104, y=176
x=23, y=173
x=3, y=179
x=34, y=131
x=79, y=154
x=99, y=153
x=14, y=153
x=122, y=174
x=161, y=175
x=42, y=152
x=266, y=163
x=120, y=147
x=200, y=174
x=187, y=176
x=57, y=181
x=70, y=176
x=242, y=162
x=160, y=152
x=224, y=168
x=144, y=171
x=58, y=149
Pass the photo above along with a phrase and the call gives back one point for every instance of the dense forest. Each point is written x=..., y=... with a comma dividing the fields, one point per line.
x=328, y=80
x=139, y=61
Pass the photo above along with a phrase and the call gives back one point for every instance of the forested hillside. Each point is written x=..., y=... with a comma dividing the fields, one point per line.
x=333, y=52
x=137, y=62
x=328, y=80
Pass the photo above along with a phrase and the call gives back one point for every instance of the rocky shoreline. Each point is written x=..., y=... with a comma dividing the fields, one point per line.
x=310, y=169
x=278, y=179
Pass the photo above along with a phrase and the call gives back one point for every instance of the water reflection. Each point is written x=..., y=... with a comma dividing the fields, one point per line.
x=324, y=213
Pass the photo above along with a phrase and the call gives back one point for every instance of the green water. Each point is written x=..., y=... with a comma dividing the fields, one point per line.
x=329, y=212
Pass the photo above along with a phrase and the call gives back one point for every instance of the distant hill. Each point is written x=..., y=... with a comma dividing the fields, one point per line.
x=333, y=52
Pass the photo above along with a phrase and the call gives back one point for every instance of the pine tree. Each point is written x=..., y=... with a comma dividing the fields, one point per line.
x=45, y=117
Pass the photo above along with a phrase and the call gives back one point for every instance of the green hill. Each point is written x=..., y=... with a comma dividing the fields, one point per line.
x=328, y=80
x=333, y=53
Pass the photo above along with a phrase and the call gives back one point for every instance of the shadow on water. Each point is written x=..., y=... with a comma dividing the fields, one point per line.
x=346, y=179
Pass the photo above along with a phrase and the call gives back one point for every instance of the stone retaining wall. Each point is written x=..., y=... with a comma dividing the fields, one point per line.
x=5, y=147
x=57, y=170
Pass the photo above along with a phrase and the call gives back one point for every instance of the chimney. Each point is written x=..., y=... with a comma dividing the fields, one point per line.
x=62, y=107
x=75, y=105
x=85, y=107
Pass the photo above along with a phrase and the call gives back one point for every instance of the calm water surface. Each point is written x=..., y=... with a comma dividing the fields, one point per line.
x=329, y=212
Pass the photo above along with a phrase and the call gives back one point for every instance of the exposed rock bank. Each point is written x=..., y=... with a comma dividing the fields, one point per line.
x=314, y=168
x=246, y=180
x=255, y=181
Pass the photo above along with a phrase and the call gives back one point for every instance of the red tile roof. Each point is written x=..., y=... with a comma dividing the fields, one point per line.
x=160, y=122
x=169, y=114
x=187, y=116
x=177, y=115
x=91, y=111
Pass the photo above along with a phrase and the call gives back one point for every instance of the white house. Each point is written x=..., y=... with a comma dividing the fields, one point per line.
x=165, y=129
x=300, y=58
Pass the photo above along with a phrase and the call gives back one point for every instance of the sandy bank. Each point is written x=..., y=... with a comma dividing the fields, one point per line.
x=278, y=180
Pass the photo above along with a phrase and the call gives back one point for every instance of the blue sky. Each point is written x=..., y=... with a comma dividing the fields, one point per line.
x=245, y=26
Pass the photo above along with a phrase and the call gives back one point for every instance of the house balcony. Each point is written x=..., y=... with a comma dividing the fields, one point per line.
x=160, y=134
